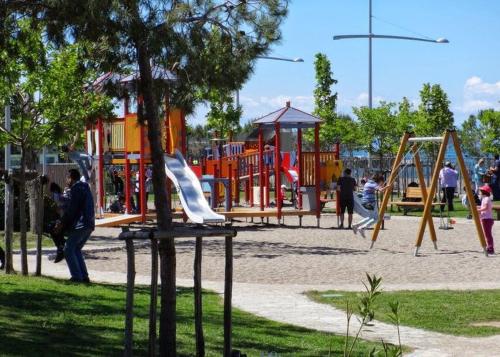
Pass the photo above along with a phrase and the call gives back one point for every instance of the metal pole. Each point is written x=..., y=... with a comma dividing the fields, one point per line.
x=370, y=103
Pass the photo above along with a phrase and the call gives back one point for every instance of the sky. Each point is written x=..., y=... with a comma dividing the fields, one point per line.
x=467, y=68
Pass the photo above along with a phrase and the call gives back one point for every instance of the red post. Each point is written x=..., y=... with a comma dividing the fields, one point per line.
x=299, y=167
x=167, y=149
x=277, y=170
x=268, y=184
x=261, y=167
x=183, y=135
x=250, y=182
x=216, y=188
x=230, y=183
x=237, y=185
x=142, y=176
x=317, y=170
x=100, y=134
x=128, y=208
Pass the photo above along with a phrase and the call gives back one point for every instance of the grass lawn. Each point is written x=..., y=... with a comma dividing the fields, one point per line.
x=31, y=240
x=42, y=316
x=451, y=312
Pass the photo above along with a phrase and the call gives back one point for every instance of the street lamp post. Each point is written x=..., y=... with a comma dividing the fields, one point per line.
x=296, y=60
x=371, y=36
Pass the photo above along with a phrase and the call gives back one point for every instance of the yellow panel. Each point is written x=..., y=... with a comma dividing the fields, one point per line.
x=132, y=134
x=118, y=136
x=175, y=124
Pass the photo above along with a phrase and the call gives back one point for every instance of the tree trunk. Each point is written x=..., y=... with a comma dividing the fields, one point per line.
x=163, y=215
x=22, y=213
x=39, y=228
x=9, y=224
x=33, y=192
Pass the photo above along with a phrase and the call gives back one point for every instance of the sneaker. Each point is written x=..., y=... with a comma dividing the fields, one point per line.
x=355, y=229
x=59, y=256
x=86, y=280
x=341, y=226
x=362, y=232
x=74, y=280
x=490, y=251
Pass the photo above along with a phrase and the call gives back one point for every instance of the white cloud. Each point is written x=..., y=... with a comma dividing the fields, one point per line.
x=479, y=95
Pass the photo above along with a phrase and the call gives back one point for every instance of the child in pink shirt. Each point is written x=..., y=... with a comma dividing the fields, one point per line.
x=486, y=214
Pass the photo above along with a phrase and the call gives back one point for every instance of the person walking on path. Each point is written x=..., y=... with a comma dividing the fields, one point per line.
x=486, y=213
x=78, y=221
x=448, y=178
x=479, y=172
x=345, y=187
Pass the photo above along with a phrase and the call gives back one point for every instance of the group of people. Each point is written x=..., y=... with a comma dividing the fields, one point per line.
x=72, y=223
x=119, y=204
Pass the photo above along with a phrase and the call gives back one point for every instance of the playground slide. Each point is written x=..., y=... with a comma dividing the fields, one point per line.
x=189, y=189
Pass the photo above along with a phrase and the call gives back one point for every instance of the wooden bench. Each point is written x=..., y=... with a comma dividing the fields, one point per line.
x=412, y=199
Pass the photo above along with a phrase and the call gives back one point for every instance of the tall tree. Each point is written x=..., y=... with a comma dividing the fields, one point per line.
x=489, y=131
x=470, y=136
x=45, y=110
x=434, y=115
x=223, y=116
x=349, y=133
x=325, y=102
x=174, y=35
x=380, y=134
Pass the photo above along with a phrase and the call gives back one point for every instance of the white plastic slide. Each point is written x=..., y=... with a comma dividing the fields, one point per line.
x=189, y=189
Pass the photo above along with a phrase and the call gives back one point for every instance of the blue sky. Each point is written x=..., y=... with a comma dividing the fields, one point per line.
x=466, y=68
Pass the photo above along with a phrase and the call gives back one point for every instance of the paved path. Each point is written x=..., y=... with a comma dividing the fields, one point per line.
x=288, y=304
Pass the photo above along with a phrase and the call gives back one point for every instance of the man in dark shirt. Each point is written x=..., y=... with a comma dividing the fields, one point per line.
x=495, y=182
x=78, y=222
x=345, y=188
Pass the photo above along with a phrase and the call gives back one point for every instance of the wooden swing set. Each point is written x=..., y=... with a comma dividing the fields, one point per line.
x=409, y=138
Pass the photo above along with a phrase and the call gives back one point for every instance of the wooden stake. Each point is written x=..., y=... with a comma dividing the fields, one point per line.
x=129, y=309
x=228, y=293
x=153, y=303
x=198, y=309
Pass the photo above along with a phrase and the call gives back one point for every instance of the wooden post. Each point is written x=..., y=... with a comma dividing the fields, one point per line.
x=228, y=294
x=198, y=309
x=129, y=309
x=261, y=167
x=128, y=206
x=153, y=298
x=299, y=160
x=434, y=183
x=317, y=172
x=470, y=196
x=9, y=221
x=39, y=229
x=387, y=193
x=237, y=183
x=277, y=170
x=423, y=188
x=100, y=131
x=215, y=193
x=250, y=180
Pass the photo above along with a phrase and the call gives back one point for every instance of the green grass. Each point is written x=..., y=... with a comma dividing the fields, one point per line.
x=450, y=312
x=31, y=240
x=41, y=316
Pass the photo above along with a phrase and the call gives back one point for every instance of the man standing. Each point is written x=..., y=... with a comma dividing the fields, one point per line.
x=448, y=178
x=345, y=188
x=495, y=180
x=78, y=221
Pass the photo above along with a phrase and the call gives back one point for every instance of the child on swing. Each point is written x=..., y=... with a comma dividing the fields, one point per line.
x=369, y=202
x=486, y=214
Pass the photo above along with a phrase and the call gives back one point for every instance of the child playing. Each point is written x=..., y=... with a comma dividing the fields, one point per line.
x=486, y=213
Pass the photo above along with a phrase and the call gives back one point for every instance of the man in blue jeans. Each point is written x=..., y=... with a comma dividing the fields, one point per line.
x=78, y=222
